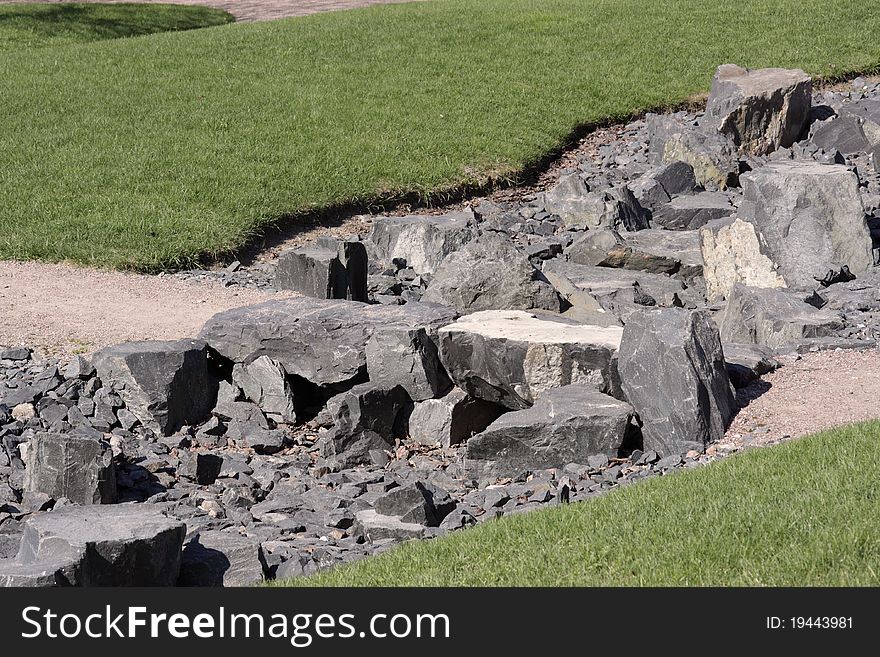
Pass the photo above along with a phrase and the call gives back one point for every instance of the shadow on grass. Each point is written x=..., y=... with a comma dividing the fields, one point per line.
x=95, y=22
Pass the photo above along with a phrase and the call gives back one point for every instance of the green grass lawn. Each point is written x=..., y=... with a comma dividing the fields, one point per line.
x=26, y=26
x=806, y=513
x=151, y=152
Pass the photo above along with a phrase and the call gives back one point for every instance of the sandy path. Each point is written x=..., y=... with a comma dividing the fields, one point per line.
x=60, y=309
x=819, y=391
x=246, y=11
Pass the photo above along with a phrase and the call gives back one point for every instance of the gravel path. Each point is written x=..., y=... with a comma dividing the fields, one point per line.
x=817, y=391
x=246, y=11
x=59, y=309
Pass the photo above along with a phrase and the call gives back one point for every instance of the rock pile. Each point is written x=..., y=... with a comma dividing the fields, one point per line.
x=443, y=370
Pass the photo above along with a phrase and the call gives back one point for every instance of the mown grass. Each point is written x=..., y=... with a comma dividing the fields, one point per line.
x=806, y=513
x=151, y=152
x=28, y=26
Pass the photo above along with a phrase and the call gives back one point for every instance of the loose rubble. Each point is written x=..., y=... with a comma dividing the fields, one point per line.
x=446, y=369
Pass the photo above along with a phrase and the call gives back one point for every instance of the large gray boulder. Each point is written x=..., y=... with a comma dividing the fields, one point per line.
x=672, y=371
x=165, y=384
x=490, y=272
x=362, y=420
x=510, y=357
x=811, y=219
x=452, y=419
x=112, y=545
x=221, y=558
x=616, y=208
x=265, y=382
x=712, y=156
x=566, y=425
x=79, y=468
x=423, y=241
x=406, y=356
x=773, y=318
x=759, y=110
x=322, y=341
x=325, y=270
x=732, y=253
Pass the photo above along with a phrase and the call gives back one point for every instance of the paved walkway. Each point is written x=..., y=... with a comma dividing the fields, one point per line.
x=255, y=10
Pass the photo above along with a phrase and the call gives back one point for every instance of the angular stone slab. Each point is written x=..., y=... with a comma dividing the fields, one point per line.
x=76, y=467
x=219, y=558
x=400, y=355
x=165, y=384
x=747, y=362
x=759, y=110
x=810, y=217
x=362, y=419
x=424, y=241
x=374, y=527
x=490, y=272
x=692, y=212
x=713, y=156
x=615, y=208
x=672, y=371
x=322, y=341
x=265, y=383
x=732, y=253
x=116, y=545
x=613, y=286
x=773, y=318
x=843, y=134
x=326, y=270
x=452, y=419
x=566, y=425
x=510, y=357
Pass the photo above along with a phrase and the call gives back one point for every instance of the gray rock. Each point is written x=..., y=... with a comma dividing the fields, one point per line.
x=747, y=362
x=842, y=134
x=810, y=218
x=490, y=272
x=405, y=356
x=760, y=110
x=510, y=357
x=165, y=384
x=15, y=353
x=619, y=290
x=412, y=503
x=615, y=208
x=265, y=382
x=867, y=110
x=452, y=419
x=363, y=419
x=423, y=241
x=327, y=270
x=375, y=527
x=565, y=425
x=773, y=317
x=672, y=371
x=79, y=368
x=713, y=157
x=76, y=467
x=220, y=558
x=201, y=467
x=652, y=250
x=692, y=212
x=321, y=341
x=112, y=545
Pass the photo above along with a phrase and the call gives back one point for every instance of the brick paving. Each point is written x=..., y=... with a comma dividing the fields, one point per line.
x=256, y=10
